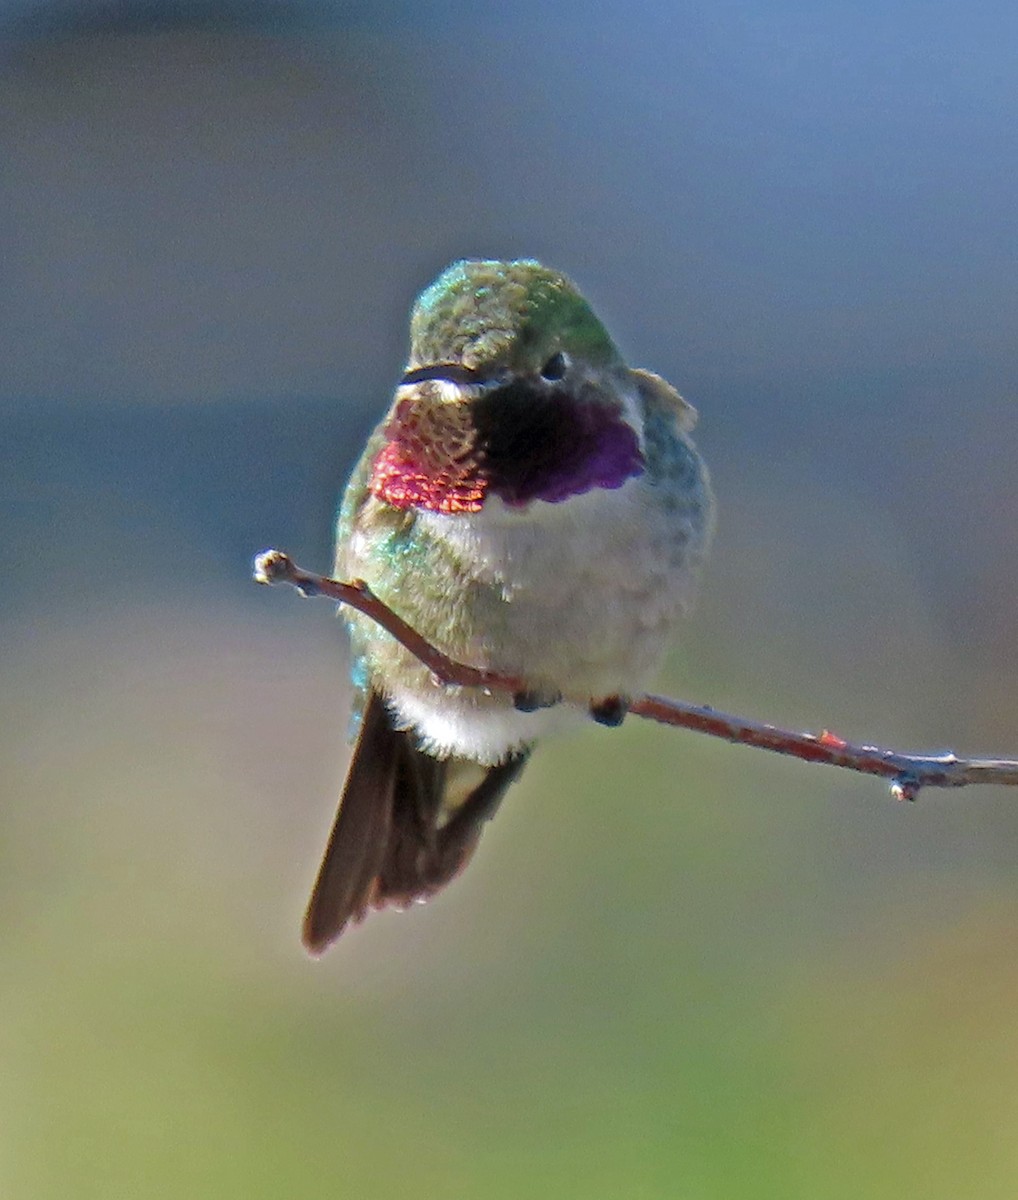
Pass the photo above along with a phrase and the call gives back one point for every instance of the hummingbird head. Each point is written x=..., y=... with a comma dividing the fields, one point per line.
x=513, y=389
x=506, y=318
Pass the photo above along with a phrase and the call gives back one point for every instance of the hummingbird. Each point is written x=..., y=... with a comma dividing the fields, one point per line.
x=531, y=506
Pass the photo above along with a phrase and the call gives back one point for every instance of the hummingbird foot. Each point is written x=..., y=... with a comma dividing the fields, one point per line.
x=610, y=711
x=531, y=701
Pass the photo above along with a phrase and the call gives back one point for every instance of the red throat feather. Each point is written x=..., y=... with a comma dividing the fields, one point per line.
x=430, y=460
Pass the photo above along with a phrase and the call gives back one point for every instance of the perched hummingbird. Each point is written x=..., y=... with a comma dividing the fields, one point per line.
x=530, y=505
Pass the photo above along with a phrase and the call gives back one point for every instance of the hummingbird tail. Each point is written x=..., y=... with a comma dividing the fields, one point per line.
x=407, y=824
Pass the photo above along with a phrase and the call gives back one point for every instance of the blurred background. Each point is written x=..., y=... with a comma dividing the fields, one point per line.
x=675, y=968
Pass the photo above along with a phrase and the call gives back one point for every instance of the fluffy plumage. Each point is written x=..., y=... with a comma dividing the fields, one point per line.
x=530, y=505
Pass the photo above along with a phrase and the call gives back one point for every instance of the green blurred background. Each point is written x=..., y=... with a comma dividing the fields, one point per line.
x=675, y=968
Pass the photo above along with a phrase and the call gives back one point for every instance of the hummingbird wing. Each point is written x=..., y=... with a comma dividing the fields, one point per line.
x=659, y=393
x=407, y=824
x=360, y=833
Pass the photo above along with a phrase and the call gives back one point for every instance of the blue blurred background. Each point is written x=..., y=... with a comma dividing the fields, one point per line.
x=675, y=968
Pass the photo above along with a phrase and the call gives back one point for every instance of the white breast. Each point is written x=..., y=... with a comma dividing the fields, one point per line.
x=592, y=589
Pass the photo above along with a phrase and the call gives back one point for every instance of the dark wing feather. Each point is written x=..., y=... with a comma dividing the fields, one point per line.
x=407, y=824
x=360, y=833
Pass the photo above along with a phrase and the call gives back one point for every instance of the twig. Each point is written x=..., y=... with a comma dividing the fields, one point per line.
x=908, y=773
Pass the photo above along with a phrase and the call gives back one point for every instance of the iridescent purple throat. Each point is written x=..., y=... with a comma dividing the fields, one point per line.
x=538, y=444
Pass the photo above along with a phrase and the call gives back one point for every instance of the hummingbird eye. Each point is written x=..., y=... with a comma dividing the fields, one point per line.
x=555, y=367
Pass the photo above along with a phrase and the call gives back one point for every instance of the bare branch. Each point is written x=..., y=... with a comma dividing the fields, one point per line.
x=273, y=566
x=908, y=773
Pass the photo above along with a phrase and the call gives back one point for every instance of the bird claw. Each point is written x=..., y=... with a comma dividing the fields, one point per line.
x=610, y=711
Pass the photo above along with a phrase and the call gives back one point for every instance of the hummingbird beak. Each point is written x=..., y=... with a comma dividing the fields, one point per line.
x=446, y=372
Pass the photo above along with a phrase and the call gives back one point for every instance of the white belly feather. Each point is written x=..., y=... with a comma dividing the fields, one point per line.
x=593, y=588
